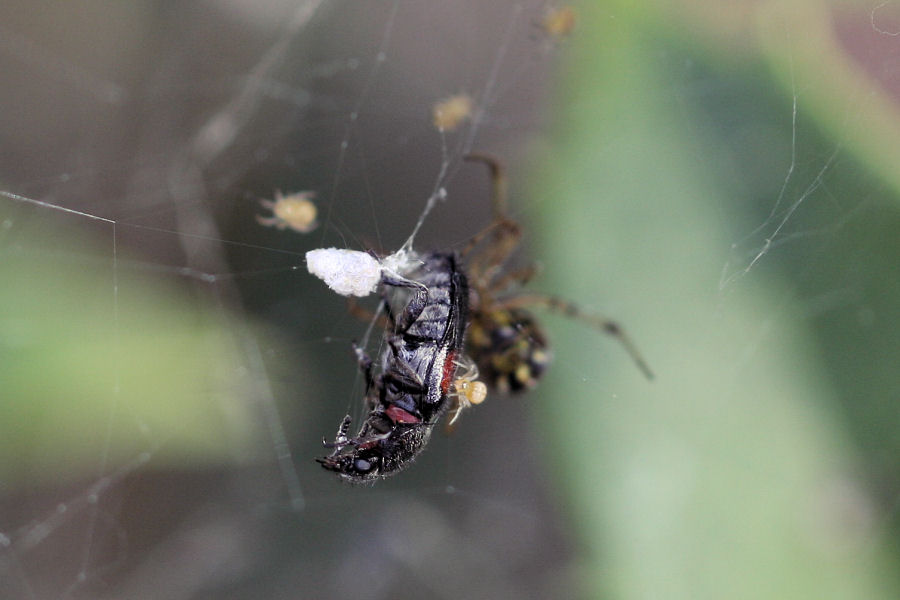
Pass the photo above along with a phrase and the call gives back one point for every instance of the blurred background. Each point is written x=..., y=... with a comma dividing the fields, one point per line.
x=720, y=180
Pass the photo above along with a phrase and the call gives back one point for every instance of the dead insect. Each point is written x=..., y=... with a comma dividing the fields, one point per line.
x=409, y=390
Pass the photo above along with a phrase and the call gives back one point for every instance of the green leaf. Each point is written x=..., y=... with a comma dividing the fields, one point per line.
x=105, y=366
x=730, y=475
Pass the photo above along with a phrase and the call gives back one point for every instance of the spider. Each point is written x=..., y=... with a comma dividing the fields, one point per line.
x=467, y=390
x=449, y=113
x=411, y=390
x=294, y=211
x=505, y=341
x=559, y=21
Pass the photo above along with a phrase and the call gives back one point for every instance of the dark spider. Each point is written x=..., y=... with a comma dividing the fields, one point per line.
x=504, y=339
x=410, y=392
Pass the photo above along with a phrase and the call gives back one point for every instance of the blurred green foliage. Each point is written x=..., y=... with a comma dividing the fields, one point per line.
x=762, y=461
x=104, y=367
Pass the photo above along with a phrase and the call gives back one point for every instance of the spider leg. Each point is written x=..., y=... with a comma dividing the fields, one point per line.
x=270, y=222
x=453, y=414
x=498, y=179
x=499, y=229
x=504, y=232
x=488, y=260
x=519, y=276
x=571, y=310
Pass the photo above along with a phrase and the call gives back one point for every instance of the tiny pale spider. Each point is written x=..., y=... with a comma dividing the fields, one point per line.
x=294, y=211
x=449, y=113
x=559, y=21
x=467, y=390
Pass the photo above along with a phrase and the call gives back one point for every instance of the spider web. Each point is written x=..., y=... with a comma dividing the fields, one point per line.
x=168, y=131
x=175, y=367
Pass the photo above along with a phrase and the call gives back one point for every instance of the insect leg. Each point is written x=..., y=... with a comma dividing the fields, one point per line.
x=340, y=439
x=401, y=374
x=414, y=308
